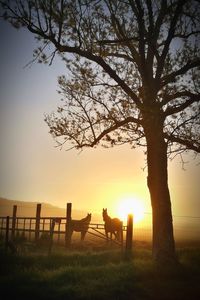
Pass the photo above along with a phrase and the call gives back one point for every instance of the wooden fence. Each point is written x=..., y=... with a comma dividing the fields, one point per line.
x=33, y=227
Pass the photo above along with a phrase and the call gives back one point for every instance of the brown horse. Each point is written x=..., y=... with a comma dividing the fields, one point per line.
x=81, y=225
x=112, y=225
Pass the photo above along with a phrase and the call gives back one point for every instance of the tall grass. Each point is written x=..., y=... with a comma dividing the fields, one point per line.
x=98, y=275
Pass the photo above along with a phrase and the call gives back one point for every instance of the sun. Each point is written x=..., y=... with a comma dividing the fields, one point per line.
x=130, y=206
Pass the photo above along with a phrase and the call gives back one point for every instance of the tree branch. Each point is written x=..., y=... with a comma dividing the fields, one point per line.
x=108, y=130
x=172, y=110
x=119, y=55
x=117, y=41
x=90, y=56
x=189, y=144
x=171, y=77
x=169, y=38
x=99, y=60
x=139, y=13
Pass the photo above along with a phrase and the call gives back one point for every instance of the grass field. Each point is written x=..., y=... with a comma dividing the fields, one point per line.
x=103, y=274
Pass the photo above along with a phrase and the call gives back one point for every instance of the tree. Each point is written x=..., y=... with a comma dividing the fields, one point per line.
x=133, y=77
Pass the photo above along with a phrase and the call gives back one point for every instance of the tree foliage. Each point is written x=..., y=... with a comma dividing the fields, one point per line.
x=125, y=59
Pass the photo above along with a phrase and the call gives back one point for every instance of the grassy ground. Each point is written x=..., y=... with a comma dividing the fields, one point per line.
x=98, y=275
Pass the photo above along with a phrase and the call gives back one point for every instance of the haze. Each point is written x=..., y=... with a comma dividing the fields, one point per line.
x=33, y=169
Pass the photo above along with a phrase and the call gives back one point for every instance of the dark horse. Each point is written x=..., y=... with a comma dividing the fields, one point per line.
x=114, y=226
x=81, y=225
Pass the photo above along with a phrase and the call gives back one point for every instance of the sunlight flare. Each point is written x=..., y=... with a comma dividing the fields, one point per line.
x=130, y=205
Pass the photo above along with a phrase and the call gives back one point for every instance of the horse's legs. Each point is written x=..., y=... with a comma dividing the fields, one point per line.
x=111, y=233
x=115, y=235
x=111, y=236
x=118, y=235
x=83, y=233
x=106, y=233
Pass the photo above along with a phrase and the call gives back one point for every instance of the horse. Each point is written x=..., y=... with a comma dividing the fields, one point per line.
x=112, y=225
x=81, y=225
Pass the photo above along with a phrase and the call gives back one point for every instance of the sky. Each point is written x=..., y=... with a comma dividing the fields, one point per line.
x=32, y=168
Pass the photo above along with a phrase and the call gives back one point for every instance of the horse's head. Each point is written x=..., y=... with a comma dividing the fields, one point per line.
x=89, y=216
x=104, y=213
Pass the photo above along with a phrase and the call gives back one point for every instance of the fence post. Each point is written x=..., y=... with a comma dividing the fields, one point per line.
x=52, y=225
x=14, y=220
x=68, y=225
x=129, y=235
x=7, y=232
x=122, y=237
x=37, y=222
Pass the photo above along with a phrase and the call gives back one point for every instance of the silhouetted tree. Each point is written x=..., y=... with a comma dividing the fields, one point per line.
x=133, y=78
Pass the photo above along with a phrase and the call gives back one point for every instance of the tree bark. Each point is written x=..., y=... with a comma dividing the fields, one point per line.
x=163, y=248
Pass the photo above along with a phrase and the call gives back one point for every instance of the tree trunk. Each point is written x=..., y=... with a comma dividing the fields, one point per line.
x=163, y=238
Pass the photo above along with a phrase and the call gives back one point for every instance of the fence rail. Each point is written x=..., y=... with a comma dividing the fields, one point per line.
x=27, y=224
x=33, y=227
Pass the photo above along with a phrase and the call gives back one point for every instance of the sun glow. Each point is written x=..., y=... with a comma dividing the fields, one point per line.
x=130, y=206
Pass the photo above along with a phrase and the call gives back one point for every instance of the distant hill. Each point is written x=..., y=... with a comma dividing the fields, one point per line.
x=28, y=209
